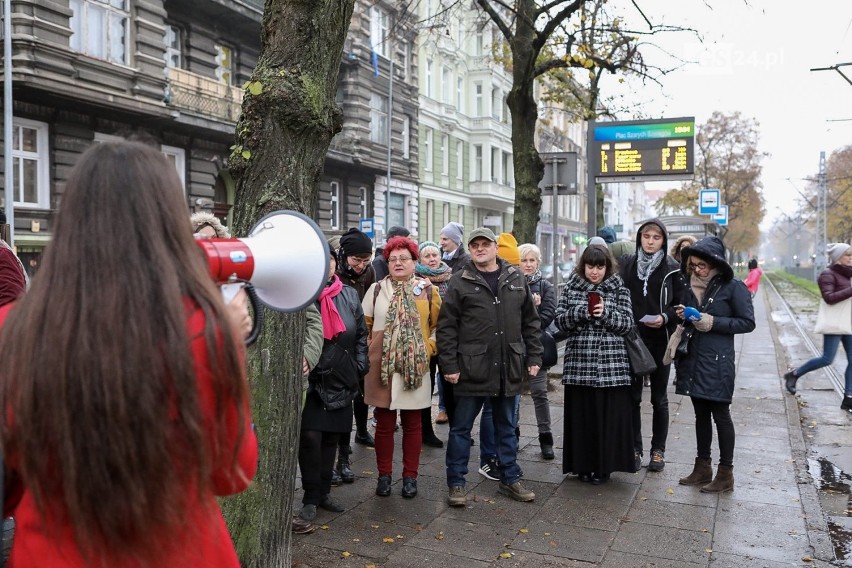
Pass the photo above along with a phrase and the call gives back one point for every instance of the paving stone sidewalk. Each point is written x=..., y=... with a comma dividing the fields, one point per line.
x=771, y=519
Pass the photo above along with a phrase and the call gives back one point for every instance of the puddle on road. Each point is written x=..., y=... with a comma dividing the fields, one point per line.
x=833, y=485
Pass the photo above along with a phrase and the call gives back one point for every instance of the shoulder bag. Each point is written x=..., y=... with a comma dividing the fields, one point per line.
x=641, y=360
x=550, y=356
x=834, y=319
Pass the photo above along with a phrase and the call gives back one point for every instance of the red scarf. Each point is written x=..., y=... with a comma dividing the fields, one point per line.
x=332, y=323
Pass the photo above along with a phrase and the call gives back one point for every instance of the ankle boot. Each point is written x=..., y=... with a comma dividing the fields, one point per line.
x=723, y=482
x=343, y=465
x=428, y=433
x=702, y=473
x=546, y=442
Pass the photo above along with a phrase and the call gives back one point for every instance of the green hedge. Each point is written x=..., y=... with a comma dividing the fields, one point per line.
x=803, y=283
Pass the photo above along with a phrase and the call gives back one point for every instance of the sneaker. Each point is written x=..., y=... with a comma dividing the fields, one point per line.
x=490, y=469
x=299, y=525
x=658, y=462
x=846, y=404
x=790, y=379
x=442, y=417
x=455, y=497
x=637, y=461
x=517, y=492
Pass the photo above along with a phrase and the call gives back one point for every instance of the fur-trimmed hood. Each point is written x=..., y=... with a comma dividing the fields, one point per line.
x=709, y=249
x=205, y=219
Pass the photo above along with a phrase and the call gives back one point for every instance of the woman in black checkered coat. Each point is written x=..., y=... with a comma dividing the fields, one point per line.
x=598, y=428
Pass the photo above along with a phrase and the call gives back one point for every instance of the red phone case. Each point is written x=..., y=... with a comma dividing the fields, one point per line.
x=594, y=300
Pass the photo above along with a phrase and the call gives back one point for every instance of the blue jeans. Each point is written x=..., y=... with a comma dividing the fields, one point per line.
x=458, y=446
x=487, y=445
x=829, y=350
x=439, y=379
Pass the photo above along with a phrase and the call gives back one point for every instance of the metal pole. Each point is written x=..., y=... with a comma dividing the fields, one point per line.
x=554, y=223
x=818, y=247
x=591, y=191
x=386, y=224
x=824, y=189
x=7, y=120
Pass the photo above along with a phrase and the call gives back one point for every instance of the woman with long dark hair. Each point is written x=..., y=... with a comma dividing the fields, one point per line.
x=594, y=312
x=127, y=407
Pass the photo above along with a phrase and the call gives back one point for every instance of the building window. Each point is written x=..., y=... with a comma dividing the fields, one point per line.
x=334, y=205
x=177, y=157
x=445, y=155
x=460, y=94
x=30, y=157
x=477, y=162
x=427, y=145
x=479, y=48
x=477, y=88
x=495, y=165
x=403, y=59
x=496, y=105
x=396, y=210
x=379, y=26
x=446, y=85
x=461, y=215
x=224, y=64
x=99, y=28
x=174, y=52
x=459, y=159
x=507, y=167
x=378, y=119
x=430, y=220
x=429, y=78
x=406, y=137
x=362, y=201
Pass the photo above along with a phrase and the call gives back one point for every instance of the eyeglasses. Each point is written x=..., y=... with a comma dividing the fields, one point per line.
x=699, y=265
x=358, y=261
x=399, y=259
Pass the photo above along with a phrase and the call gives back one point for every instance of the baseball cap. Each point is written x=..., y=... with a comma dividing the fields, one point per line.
x=482, y=232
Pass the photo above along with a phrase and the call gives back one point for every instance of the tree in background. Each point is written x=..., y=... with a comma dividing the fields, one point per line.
x=727, y=159
x=838, y=171
x=542, y=36
x=289, y=116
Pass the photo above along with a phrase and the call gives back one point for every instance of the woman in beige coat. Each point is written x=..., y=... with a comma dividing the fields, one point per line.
x=401, y=312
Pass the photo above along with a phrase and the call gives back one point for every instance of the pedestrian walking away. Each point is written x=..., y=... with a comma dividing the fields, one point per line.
x=706, y=371
x=594, y=312
x=833, y=321
x=332, y=385
x=544, y=298
x=488, y=339
x=656, y=287
x=402, y=314
x=752, y=281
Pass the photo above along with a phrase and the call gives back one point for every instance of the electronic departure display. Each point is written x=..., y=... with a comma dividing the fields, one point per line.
x=643, y=150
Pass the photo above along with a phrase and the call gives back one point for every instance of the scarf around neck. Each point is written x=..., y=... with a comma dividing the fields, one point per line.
x=646, y=264
x=534, y=277
x=699, y=284
x=443, y=272
x=332, y=323
x=403, y=346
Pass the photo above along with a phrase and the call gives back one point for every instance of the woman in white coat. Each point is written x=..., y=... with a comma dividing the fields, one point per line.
x=401, y=312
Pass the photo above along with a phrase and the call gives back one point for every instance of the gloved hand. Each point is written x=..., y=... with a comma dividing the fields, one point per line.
x=705, y=324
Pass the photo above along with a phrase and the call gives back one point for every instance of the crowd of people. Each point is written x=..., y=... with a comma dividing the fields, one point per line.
x=469, y=316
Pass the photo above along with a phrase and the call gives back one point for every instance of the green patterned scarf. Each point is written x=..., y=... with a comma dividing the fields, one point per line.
x=403, y=346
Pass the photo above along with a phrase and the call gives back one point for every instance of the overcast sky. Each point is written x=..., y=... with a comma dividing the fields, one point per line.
x=755, y=59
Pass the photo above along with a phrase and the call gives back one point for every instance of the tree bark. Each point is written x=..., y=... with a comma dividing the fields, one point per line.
x=288, y=119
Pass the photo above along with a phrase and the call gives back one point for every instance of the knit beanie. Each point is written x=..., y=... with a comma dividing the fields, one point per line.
x=354, y=242
x=600, y=241
x=427, y=244
x=507, y=248
x=454, y=231
x=397, y=231
x=836, y=250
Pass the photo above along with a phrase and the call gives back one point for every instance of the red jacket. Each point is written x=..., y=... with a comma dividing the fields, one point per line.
x=206, y=541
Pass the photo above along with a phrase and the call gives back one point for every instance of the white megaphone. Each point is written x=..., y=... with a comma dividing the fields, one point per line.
x=284, y=259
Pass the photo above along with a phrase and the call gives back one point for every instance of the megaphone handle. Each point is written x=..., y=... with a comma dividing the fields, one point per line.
x=257, y=308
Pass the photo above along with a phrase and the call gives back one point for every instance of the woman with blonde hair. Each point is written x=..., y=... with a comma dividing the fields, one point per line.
x=127, y=405
x=401, y=311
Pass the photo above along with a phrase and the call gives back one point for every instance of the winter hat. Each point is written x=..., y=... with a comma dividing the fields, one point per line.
x=607, y=234
x=599, y=241
x=354, y=242
x=397, y=231
x=507, y=248
x=427, y=244
x=454, y=231
x=206, y=219
x=836, y=250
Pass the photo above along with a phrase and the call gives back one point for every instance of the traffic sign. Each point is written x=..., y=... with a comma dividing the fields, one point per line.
x=722, y=216
x=366, y=227
x=560, y=169
x=709, y=201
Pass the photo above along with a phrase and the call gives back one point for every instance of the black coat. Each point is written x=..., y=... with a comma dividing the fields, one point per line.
x=708, y=370
x=343, y=360
x=490, y=341
x=547, y=307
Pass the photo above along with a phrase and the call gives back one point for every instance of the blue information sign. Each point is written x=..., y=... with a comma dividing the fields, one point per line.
x=709, y=201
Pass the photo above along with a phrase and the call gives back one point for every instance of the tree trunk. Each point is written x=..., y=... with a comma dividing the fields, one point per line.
x=288, y=119
x=529, y=169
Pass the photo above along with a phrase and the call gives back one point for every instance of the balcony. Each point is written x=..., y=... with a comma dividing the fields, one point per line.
x=491, y=194
x=189, y=92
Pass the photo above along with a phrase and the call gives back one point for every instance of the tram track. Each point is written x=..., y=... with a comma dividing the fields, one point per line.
x=837, y=381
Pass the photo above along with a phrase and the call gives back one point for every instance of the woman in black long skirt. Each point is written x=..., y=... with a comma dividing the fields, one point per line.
x=595, y=313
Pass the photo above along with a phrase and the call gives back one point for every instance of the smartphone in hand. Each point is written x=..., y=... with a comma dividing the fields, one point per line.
x=594, y=300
